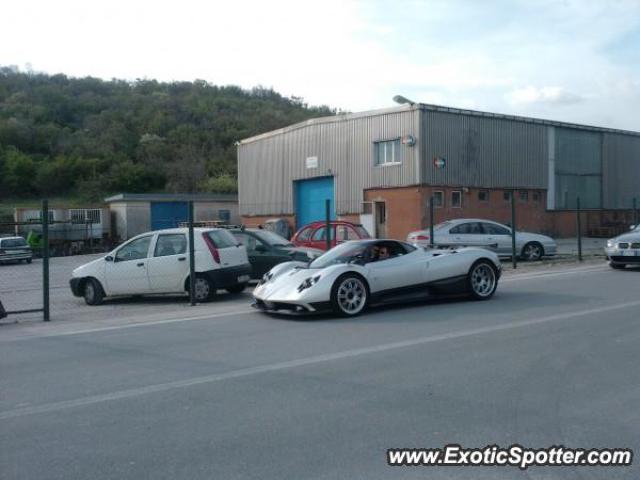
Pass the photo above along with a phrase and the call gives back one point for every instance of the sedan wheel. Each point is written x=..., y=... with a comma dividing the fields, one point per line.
x=349, y=296
x=532, y=252
x=482, y=280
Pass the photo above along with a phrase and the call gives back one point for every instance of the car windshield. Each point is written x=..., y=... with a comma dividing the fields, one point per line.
x=343, y=253
x=438, y=226
x=14, y=242
x=362, y=231
x=273, y=239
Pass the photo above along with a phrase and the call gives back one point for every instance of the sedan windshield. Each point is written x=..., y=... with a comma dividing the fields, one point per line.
x=273, y=239
x=343, y=253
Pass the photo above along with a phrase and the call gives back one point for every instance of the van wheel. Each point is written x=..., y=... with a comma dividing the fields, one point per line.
x=92, y=292
x=239, y=288
x=204, y=289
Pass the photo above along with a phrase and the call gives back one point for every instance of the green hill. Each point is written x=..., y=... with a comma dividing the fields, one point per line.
x=86, y=137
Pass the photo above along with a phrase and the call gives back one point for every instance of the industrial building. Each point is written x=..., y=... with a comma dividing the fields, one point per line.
x=380, y=168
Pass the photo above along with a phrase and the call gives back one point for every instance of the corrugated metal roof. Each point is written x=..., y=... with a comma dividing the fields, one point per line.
x=172, y=197
x=435, y=108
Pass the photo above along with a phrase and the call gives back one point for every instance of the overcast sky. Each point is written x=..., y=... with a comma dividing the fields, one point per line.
x=567, y=60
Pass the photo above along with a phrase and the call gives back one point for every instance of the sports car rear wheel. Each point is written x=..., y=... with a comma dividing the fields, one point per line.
x=349, y=295
x=482, y=280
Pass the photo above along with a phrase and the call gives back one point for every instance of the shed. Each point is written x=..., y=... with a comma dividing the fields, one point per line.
x=135, y=213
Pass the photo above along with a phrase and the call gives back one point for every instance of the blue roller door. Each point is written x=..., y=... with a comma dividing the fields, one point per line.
x=311, y=196
x=168, y=214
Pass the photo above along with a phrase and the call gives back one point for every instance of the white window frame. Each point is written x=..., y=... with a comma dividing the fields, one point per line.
x=392, y=146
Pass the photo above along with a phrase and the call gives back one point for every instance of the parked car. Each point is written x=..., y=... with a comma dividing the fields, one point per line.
x=267, y=249
x=15, y=249
x=314, y=235
x=158, y=262
x=624, y=249
x=486, y=234
x=352, y=276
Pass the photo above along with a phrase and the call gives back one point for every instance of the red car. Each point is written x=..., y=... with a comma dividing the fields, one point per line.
x=314, y=234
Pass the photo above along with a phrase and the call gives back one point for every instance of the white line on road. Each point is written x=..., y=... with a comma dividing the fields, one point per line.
x=274, y=367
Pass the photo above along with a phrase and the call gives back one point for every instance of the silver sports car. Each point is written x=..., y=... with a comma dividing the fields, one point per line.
x=624, y=250
x=356, y=274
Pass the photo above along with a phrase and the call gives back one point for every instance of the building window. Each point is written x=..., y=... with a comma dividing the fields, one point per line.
x=524, y=196
x=506, y=195
x=456, y=199
x=224, y=215
x=536, y=196
x=438, y=198
x=483, y=195
x=386, y=153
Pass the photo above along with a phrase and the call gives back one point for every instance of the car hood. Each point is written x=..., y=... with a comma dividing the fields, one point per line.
x=308, y=251
x=286, y=283
x=88, y=268
x=627, y=237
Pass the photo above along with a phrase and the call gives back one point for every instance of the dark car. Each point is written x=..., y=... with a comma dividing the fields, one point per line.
x=15, y=249
x=267, y=249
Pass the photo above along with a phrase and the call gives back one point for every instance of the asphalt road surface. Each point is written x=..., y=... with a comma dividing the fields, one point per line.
x=551, y=360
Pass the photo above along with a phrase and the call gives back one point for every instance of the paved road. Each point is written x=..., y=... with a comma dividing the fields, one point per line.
x=552, y=359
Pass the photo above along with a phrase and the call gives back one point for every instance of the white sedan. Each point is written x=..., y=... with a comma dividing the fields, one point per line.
x=359, y=273
x=624, y=249
x=486, y=234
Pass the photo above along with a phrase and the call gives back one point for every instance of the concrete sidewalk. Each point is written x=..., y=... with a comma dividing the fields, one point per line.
x=590, y=246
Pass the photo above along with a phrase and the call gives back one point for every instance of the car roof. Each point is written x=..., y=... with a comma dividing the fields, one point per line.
x=332, y=222
x=11, y=238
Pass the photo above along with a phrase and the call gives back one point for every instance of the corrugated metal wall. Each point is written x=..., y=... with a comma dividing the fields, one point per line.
x=620, y=170
x=268, y=166
x=578, y=168
x=483, y=151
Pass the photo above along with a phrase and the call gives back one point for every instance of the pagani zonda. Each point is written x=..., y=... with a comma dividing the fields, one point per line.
x=353, y=275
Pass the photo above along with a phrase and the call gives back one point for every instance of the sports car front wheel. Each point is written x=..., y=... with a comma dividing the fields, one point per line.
x=482, y=280
x=349, y=295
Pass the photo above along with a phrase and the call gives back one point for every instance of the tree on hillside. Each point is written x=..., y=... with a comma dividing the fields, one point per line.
x=90, y=137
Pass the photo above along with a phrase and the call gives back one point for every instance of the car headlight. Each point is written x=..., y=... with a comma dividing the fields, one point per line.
x=308, y=283
x=610, y=243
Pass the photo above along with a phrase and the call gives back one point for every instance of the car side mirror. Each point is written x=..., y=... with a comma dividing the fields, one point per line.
x=108, y=258
x=358, y=260
x=261, y=248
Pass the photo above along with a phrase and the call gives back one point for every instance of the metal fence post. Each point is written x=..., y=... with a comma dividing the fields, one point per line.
x=45, y=260
x=514, y=257
x=327, y=205
x=431, y=239
x=635, y=212
x=579, y=228
x=192, y=258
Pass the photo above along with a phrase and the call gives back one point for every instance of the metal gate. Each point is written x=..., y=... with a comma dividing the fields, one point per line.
x=311, y=197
